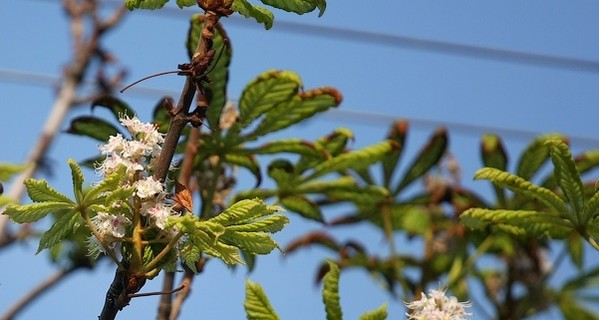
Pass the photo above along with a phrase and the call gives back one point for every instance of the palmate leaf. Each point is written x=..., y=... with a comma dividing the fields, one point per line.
x=216, y=88
x=330, y=293
x=34, y=211
x=567, y=175
x=256, y=304
x=298, y=6
x=77, y=176
x=354, y=159
x=398, y=133
x=428, y=156
x=525, y=188
x=248, y=10
x=299, y=107
x=110, y=183
x=144, y=4
x=116, y=106
x=534, y=156
x=92, y=127
x=265, y=92
x=244, y=211
x=40, y=191
x=65, y=225
x=527, y=223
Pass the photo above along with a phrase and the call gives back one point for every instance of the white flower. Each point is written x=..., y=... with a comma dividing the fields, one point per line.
x=437, y=306
x=111, y=225
x=148, y=187
x=159, y=213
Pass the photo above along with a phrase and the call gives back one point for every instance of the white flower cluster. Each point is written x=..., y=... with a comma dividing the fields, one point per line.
x=137, y=155
x=437, y=306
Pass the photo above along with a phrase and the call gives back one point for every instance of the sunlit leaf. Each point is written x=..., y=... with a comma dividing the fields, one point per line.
x=187, y=3
x=493, y=155
x=567, y=175
x=299, y=107
x=110, y=183
x=533, y=157
x=32, y=212
x=7, y=170
x=40, y=191
x=144, y=4
x=256, y=304
x=330, y=293
x=378, y=314
x=576, y=250
x=248, y=10
x=63, y=226
x=298, y=6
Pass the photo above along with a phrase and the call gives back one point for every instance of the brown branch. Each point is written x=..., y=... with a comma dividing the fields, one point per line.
x=41, y=288
x=118, y=295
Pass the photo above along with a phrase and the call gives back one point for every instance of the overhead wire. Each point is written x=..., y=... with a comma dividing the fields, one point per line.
x=343, y=115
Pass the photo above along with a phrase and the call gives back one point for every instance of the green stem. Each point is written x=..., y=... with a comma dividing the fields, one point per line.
x=152, y=264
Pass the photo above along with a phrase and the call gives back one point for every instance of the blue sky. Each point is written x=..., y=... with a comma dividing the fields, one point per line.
x=380, y=81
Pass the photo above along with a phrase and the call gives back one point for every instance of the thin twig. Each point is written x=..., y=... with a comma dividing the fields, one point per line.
x=41, y=288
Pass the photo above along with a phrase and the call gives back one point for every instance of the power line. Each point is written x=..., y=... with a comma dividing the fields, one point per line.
x=344, y=115
x=401, y=41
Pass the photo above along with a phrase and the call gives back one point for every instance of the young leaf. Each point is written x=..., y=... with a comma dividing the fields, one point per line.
x=40, y=191
x=92, y=127
x=267, y=90
x=256, y=304
x=519, y=222
x=494, y=156
x=244, y=211
x=110, y=183
x=144, y=4
x=398, y=133
x=35, y=211
x=186, y=3
x=428, y=156
x=78, y=179
x=7, y=170
x=355, y=159
x=330, y=293
x=590, y=208
x=378, y=314
x=301, y=106
x=567, y=175
x=248, y=10
x=303, y=206
x=247, y=161
x=298, y=6
x=63, y=226
x=534, y=156
x=296, y=146
x=525, y=188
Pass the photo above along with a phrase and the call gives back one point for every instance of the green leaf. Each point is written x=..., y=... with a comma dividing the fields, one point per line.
x=303, y=206
x=244, y=211
x=248, y=10
x=567, y=175
x=378, y=314
x=116, y=106
x=66, y=224
x=92, y=127
x=354, y=159
x=271, y=224
x=40, y=191
x=333, y=145
x=265, y=92
x=110, y=183
x=301, y=106
x=298, y=6
x=246, y=161
x=296, y=146
x=77, y=176
x=250, y=242
x=590, y=208
x=576, y=250
x=519, y=222
x=144, y=4
x=398, y=133
x=428, y=156
x=494, y=156
x=256, y=304
x=330, y=293
x=525, y=188
x=186, y=3
x=216, y=88
x=35, y=211
x=533, y=157
x=7, y=170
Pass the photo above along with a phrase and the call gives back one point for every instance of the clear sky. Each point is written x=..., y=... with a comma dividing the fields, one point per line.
x=470, y=71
